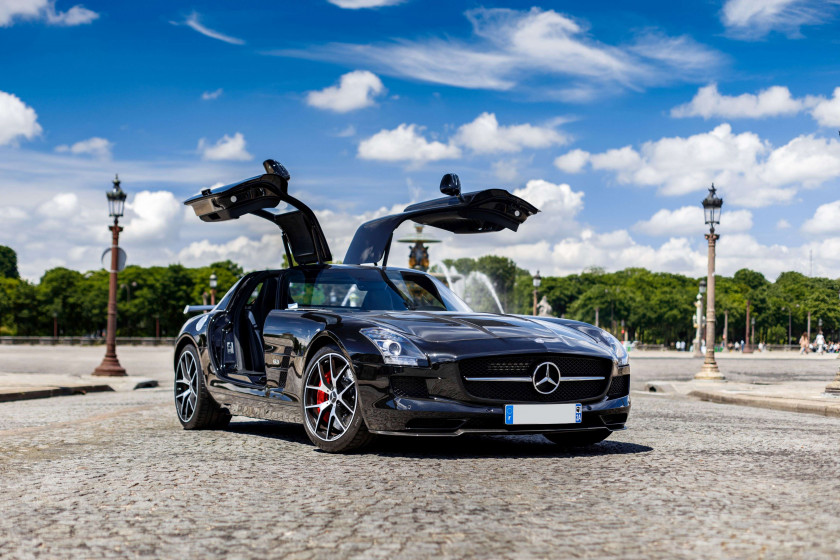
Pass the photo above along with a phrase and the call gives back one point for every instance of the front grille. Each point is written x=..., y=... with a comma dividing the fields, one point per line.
x=523, y=366
x=409, y=387
x=619, y=387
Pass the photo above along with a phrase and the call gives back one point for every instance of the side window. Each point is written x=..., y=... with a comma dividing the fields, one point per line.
x=419, y=289
x=297, y=288
x=254, y=294
x=423, y=299
x=324, y=289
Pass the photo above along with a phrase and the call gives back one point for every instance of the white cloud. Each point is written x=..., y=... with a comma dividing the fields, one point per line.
x=210, y=95
x=827, y=111
x=17, y=120
x=96, y=147
x=227, y=148
x=506, y=169
x=753, y=19
x=573, y=161
x=485, y=136
x=558, y=205
x=771, y=102
x=405, y=143
x=193, y=23
x=783, y=224
x=355, y=90
x=747, y=169
x=154, y=216
x=509, y=47
x=43, y=10
x=346, y=132
x=690, y=221
x=825, y=220
x=359, y=4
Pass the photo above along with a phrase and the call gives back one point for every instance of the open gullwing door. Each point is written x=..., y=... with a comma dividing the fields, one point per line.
x=302, y=234
x=476, y=212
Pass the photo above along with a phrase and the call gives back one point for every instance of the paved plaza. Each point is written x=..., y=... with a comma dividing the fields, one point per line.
x=114, y=475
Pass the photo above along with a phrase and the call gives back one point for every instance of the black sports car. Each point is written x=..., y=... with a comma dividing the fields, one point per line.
x=359, y=349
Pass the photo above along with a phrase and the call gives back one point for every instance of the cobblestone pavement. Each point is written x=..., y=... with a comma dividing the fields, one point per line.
x=114, y=475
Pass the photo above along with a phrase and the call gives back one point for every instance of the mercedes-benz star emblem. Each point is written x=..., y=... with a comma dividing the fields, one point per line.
x=546, y=377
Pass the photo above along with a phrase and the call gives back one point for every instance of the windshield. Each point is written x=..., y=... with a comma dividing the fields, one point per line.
x=370, y=289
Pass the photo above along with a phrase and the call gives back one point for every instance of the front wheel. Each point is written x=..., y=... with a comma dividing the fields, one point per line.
x=331, y=408
x=578, y=439
x=195, y=407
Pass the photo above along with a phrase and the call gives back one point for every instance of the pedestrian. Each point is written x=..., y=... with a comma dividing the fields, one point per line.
x=820, y=342
x=804, y=344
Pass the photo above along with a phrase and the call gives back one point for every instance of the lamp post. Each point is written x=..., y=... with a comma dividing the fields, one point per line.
x=110, y=365
x=698, y=318
x=214, y=283
x=711, y=209
x=537, y=282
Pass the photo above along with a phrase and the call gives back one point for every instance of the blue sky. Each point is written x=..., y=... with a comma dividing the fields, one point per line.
x=613, y=118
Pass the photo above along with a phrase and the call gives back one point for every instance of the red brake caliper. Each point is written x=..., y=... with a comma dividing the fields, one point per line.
x=322, y=395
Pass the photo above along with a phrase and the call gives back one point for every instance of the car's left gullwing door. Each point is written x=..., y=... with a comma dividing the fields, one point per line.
x=302, y=233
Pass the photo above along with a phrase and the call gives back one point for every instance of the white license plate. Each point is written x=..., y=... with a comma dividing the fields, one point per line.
x=542, y=414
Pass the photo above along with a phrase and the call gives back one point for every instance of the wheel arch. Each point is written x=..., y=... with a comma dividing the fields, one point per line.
x=182, y=343
x=325, y=338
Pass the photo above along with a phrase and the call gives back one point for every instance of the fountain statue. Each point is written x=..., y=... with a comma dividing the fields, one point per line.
x=544, y=308
x=418, y=254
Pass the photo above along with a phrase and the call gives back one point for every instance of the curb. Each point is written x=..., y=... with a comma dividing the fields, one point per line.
x=22, y=394
x=776, y=403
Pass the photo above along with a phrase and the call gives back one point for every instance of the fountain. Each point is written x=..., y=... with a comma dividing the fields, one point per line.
x=475, y=288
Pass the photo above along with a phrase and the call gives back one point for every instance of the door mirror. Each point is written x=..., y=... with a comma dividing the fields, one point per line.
x=451, y=185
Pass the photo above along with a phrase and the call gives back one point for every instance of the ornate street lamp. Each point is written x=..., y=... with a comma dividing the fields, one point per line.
x=214, y=283
x=711, y=209
x=537, y=282
x=110, y=365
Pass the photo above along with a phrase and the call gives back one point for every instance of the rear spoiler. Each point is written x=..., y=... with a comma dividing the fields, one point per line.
x=476, y=212
x=197, y=308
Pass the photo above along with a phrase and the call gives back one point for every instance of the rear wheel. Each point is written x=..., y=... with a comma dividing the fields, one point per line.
x=331, y=408
x=195, y=407
x=578, y=439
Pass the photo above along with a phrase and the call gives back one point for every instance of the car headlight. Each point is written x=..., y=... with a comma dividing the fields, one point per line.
x=618, y=349
x=396, y=349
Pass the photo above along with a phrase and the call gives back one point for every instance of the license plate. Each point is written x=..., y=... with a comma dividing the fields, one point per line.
x=542, y=414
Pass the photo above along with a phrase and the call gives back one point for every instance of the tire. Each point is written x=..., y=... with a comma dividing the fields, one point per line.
x=330, y=407
x=194, y=406
x=578, y=439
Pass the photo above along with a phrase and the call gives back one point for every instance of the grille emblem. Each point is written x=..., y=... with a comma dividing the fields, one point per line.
x=546, y=378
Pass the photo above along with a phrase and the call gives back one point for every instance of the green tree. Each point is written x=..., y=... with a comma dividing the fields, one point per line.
x=8, y=263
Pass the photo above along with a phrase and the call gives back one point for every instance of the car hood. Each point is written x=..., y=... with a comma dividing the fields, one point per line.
x=454, y=327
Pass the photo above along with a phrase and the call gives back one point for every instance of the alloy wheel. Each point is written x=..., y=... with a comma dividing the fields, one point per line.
x=329, y=397
x=186, y=386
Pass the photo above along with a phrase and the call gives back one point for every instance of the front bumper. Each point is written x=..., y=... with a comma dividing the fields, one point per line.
x=449, y=410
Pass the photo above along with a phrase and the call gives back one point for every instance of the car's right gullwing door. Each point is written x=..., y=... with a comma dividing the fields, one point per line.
x=476, y=212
